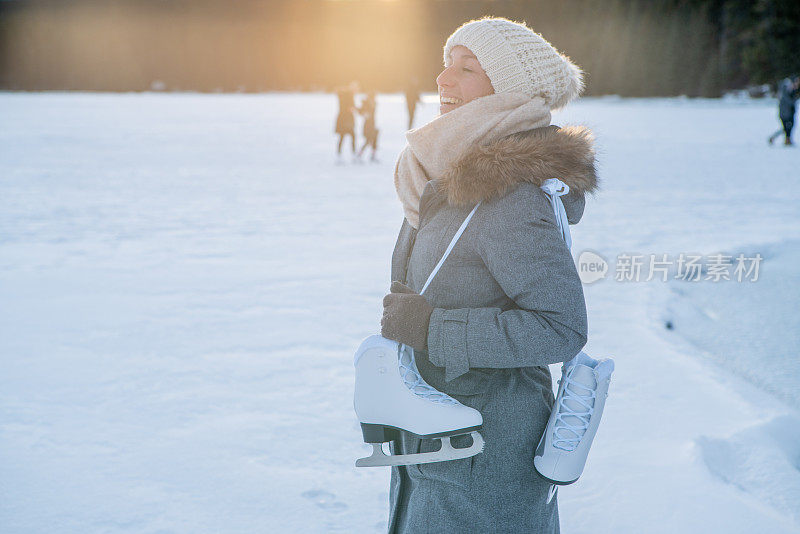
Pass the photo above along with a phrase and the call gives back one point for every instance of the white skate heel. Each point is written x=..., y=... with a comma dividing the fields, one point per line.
x=391, y=397
x=562, y=451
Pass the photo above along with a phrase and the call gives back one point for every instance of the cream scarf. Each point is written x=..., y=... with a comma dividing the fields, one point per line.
x=433, y=148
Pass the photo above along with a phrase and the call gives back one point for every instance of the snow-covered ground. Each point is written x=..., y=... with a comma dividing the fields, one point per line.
x=184, y=279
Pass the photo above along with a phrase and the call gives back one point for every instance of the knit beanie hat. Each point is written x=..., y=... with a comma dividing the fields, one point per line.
x=516, y=59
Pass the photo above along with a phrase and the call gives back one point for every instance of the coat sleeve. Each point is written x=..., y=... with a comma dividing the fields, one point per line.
x=402, y=250
x=520, y=244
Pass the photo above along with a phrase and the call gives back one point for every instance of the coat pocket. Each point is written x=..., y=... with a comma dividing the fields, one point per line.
x=454, y=472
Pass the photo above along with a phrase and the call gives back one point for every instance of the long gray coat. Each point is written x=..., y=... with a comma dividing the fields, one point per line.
x=507, y=302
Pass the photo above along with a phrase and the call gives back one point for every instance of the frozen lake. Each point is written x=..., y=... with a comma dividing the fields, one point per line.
x=184, y=279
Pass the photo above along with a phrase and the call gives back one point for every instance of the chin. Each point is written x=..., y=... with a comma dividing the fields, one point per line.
x=447, y=108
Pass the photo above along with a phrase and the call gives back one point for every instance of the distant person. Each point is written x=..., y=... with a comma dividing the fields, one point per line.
x=367, y=110
x=788, y=91
x=412, y=97
x=345, y=121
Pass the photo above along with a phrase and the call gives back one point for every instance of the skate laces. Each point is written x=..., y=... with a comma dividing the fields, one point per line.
x=415, y=383
x=570, y=436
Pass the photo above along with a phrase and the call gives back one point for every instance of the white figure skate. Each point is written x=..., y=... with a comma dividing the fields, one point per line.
x=564, y=446
x=391, y=397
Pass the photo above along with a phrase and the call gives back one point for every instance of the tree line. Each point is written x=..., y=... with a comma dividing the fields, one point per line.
x=626, y=47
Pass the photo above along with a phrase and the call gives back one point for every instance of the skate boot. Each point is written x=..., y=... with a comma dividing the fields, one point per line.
x=564, y=446
x=391, y=397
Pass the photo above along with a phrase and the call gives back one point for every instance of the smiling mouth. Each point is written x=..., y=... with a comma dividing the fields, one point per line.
x=450, y=100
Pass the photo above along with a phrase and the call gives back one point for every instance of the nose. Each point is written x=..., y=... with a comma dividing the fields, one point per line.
x=443, y=80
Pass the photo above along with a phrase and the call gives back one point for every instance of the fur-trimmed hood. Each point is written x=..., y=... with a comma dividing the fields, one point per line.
x=490, y=171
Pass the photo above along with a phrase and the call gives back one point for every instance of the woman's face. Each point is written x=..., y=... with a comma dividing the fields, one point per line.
x=463, y=81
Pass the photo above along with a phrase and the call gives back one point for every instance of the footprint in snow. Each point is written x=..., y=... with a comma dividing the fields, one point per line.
x=324, y=499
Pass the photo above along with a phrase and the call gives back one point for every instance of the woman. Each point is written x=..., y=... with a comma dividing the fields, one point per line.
x=345, y=121
x=367, y=110
x=508, y=301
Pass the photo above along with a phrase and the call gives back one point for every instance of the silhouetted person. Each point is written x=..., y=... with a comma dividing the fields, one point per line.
x=788, y=91
x=345, y=121
x=412, y=97
x=367, y=110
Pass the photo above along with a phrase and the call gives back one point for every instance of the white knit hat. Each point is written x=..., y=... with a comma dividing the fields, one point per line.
x=516, y=59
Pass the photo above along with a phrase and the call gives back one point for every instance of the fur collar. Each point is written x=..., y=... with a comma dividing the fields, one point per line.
x=533, y=156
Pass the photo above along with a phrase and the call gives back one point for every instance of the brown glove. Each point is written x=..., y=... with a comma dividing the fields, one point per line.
x=406, y=316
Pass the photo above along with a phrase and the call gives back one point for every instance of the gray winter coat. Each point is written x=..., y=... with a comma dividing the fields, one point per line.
x=786, y=100
x=507, y=302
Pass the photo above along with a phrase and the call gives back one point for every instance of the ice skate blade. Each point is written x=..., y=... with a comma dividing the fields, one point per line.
x=551, y=492
x=555, y=482
x=447, y=452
